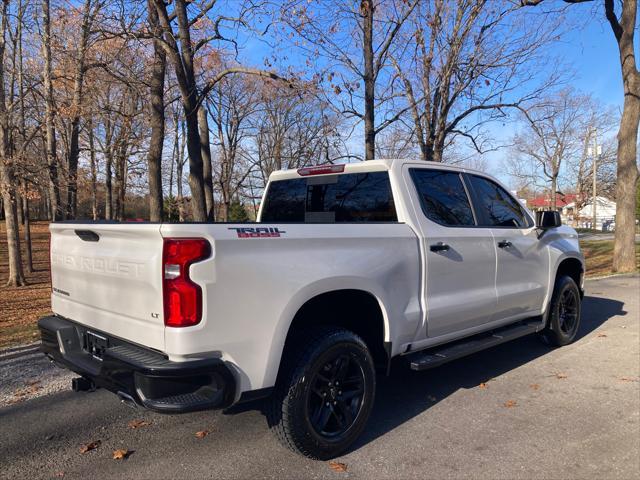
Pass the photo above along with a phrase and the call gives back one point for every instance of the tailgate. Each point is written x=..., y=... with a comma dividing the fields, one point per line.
x=109, y=277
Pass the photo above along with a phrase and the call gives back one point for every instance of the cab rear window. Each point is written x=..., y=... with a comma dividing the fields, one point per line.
x=349, y=197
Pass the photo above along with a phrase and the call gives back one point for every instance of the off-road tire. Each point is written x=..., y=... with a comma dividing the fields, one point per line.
x=290, y=408
x=563, y=318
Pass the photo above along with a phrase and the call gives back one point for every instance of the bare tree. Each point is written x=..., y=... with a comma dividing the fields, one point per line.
x=90, y=10
x=293, y=129
x=458, y=72
x=156, y=117
x=331, y=27
x=50, y=112
x=232, y=104
x=181, y=51
x=7, y=172
x=550, y=138
x=624, y=30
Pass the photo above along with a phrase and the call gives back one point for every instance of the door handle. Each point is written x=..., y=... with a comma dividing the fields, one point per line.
x=439, y=247
x=504, y=244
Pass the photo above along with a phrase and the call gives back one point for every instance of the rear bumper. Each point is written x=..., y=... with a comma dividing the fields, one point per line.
x=136, y=373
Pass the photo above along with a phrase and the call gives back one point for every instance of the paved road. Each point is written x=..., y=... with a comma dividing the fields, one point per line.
x=576, y=416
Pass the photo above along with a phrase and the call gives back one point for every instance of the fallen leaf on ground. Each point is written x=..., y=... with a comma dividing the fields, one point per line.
x=90, y=446
x=534, y=386
x=628, y=379
x=138, y=423
x=121, y=454
x=510, y=403
x=483, y=385
x=202, y=433
x=338, y=467
x=602, y=335
x=561, y=376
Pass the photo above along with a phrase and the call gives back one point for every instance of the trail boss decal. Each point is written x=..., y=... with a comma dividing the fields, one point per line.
x=258, y=232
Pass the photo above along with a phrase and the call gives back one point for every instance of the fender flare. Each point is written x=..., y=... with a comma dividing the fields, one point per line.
x=304, y=295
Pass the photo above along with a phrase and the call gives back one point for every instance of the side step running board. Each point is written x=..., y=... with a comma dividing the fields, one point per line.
x=437, y=356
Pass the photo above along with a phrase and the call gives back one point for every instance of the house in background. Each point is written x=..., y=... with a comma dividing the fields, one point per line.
x=543, y=202
x=583, y=218
x=605, y=214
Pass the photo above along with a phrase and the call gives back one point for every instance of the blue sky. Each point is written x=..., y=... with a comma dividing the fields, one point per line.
x=589, y=51
x=593, y=53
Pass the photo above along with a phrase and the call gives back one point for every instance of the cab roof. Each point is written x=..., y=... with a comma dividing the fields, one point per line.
x=378, y=165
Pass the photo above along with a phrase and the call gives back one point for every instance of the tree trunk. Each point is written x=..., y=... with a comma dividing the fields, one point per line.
x=27, y=227
x=7, y=179
x=94, y=172
x=182, y=59
x=156, y=118
x=205, y=148
x=180, y=196
x=50, y=132
x=226, y=205
x=366, y=10
x=108, y=187
x=19, y=206
x=624, y=256
x=76, y=108
x=16, y=274
x=179, y=166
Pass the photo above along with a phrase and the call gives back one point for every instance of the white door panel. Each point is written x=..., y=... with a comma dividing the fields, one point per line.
x=460, y=281
x=521, y=279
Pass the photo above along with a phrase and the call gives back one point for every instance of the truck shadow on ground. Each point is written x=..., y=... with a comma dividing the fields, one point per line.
x=406, y=393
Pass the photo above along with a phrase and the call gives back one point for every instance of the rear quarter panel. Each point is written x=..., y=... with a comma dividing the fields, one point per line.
x=253, y=287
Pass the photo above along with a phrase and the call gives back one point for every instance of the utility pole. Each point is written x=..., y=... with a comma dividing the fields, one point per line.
x=595, y=152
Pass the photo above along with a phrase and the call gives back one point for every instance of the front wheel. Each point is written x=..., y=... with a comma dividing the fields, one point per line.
x=564, y=313
x=325, y=394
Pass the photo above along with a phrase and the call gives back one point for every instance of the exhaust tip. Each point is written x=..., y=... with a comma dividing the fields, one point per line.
x=127, y=399
x=82, y=384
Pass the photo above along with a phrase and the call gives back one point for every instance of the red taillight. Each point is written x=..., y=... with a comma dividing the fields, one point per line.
x=182, y=298
x=320, y=170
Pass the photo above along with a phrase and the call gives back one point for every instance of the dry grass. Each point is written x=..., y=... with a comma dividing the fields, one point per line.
x=598, y=255
x=20, y=308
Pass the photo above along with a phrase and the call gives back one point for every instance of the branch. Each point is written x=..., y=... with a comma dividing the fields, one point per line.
x=248, y=71
x=613, y=20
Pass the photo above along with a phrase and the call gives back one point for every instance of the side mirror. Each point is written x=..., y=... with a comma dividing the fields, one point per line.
x=548, y=219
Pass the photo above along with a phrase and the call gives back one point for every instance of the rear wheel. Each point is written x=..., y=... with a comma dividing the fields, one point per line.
x=564, y=313
x=325, y=394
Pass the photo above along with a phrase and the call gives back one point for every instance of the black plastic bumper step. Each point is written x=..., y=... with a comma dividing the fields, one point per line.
x=437, y=356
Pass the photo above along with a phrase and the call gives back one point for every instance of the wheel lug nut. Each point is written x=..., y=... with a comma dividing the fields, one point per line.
x=335, y=402
x=339, y=392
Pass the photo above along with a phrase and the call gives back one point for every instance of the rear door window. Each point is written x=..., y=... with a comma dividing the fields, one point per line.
x=349, y=197
x=443, y=197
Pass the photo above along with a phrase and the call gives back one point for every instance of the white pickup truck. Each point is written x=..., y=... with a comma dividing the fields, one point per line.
x=347, y=267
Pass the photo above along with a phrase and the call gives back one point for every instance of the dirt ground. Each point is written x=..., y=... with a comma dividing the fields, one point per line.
x=20, y=308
